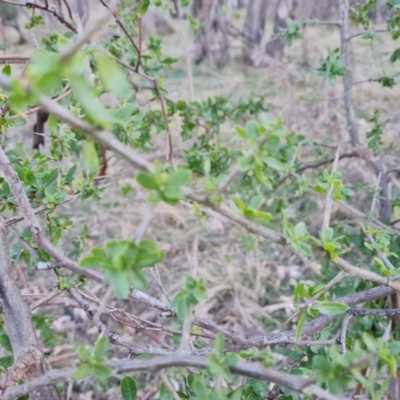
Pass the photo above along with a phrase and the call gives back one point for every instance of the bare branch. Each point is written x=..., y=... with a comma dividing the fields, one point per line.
x=134, y=348
x=251, y=370
x=50, y=378
x=13, y=59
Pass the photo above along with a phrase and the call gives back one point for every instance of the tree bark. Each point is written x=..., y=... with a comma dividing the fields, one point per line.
x=212, y=40
x=322, y=9
x=28, y=356
x=254, y=27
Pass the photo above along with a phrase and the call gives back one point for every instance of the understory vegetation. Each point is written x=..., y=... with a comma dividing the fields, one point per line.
x=204, y=214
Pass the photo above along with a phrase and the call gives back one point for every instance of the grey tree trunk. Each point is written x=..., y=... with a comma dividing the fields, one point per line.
x=254, y=27
x=9, y=14
x=17, y=315
x=321, y=10
x=284, y=9
x=211, y=40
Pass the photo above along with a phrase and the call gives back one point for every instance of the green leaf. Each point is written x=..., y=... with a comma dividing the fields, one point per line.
x=274, y=163
x=178, y=178
x=7, y=70
x=246, y=163
x=50, y=177
x=327, y=235
x=300, y=291
x=95, y=259
x=252, y=130
x=128, y=388
x=5, y=342
x=119, y=283
x=164, y=393
x=331, y=308
x=6, y=361
x=70, y=174
x=219, y=344
x=240, y=204
x=112, y=77
x=256, y=201
x=300, y=325
x=91, y=103
x=101, y=371
x=149, y=259
x=263, y=215
x=83, y=353
x=315, y=289
x=90, y=156
x=101, y=348
x=148, y=181
x=137, y=279
x=83, y=371
x=171, y=196
x=241, y=131
x=329, y=247
x=300, y=229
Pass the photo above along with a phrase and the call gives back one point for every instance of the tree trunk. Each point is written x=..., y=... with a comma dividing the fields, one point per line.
x=321, y=10
x=284, y=9
x=212, y=40
x=254, y=26
x=28, y=356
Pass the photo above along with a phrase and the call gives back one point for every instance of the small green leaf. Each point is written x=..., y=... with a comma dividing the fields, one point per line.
x=83, y=371
x=6, y=361
x=149, y=259
x=178, y=178
x=256, y=201
x=240, y=204
x=219, y=344
x=327, y=235
x=263, y=215
x=5, y=342
x=148, y=180
x=101, y=348
x=300, y=229
x=90, y=155
x=7, y=70
x=329, y=247
x=300, y=325
x=112, y=77
x=128, y=388
x=274, y=163
x=241, y=132
x=83, y=353
x=299, y=292
x=331, y=308
x=119, y=283
x=101, y=372
x=95, y=259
